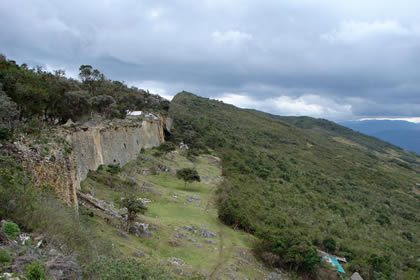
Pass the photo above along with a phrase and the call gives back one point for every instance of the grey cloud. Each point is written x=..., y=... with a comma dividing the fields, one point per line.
x=345, y=52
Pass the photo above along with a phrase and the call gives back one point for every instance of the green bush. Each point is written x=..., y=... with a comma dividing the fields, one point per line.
x=311, y=260
x=383, y=220
x=114, y=168
x=4, y=133
x=292, y=247
x=329, y=245
x=11, y=229
x=33, y=127
x=166, y=147
x=17, y=197
x=4, y=257
x=230, y=213
x=35, y=271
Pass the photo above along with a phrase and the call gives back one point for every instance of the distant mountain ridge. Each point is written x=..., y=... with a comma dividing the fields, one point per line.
x=401, y=133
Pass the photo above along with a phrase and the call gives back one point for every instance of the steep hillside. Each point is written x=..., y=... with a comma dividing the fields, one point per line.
x=298, y=183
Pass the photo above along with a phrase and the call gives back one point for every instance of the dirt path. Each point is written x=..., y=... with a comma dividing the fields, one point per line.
x=223, y=255
x=224, y=251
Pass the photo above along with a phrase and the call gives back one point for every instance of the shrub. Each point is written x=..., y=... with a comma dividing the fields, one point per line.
x=33, y=127
x=17, y=197
x=383, y=220
x=11, y=229
x=4, y=257
x=408, y=236
x=166, y=147
x=311, y=260
x=292, y=247
x=230, y=213
x=114, y=168
x=4, y=133
x=35, y=271
x=329, y=245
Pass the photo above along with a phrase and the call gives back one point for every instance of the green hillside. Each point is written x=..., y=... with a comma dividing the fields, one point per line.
x=302, y=183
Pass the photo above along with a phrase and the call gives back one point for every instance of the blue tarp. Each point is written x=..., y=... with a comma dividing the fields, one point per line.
x=337, y=264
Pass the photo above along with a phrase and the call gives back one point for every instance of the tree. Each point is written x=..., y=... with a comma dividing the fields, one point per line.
x=101, y=103
x=73, y=104
x=90, y=77
x=188, y=175
x=329, y=245
x=166, y=147
x=134, y=206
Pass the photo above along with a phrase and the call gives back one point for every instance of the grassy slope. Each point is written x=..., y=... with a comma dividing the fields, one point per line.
x=323, y=179
x=170, y=214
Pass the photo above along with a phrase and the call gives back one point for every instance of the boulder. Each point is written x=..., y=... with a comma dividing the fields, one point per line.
x=64, y=267
x=191, y=198
x=205, y=233
x=356, y=276
x=188, y=228
x=175, y=243
x=123, y=235
x=140, y=254
x=176, y=261
x=140, y=230
x=69, y=124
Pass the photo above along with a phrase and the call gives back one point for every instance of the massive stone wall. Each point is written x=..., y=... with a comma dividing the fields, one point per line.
x=93, y=144
x=112, y=144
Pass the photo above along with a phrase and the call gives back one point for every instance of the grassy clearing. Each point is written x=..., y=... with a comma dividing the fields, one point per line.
x=174, y=206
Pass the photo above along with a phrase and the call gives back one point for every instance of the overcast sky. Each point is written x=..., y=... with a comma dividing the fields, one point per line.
x=340, y=60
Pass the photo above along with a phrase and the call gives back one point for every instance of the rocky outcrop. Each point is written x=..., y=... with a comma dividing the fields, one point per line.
x=56, y=170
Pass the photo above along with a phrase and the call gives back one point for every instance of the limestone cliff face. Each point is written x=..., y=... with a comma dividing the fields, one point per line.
x=92, y=144
x=118, y=144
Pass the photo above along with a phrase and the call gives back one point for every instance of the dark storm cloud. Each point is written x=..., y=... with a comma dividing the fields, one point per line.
x=321, y=58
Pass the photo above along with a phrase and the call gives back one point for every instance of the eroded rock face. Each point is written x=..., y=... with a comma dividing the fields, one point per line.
x=58, y=169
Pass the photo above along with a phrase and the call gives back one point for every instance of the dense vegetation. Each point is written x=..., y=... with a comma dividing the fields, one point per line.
x=32, y=102
x=301, y=184
x=27, y=93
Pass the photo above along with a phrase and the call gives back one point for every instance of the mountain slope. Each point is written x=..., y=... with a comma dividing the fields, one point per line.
x=401, y=133
x=296, y=182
